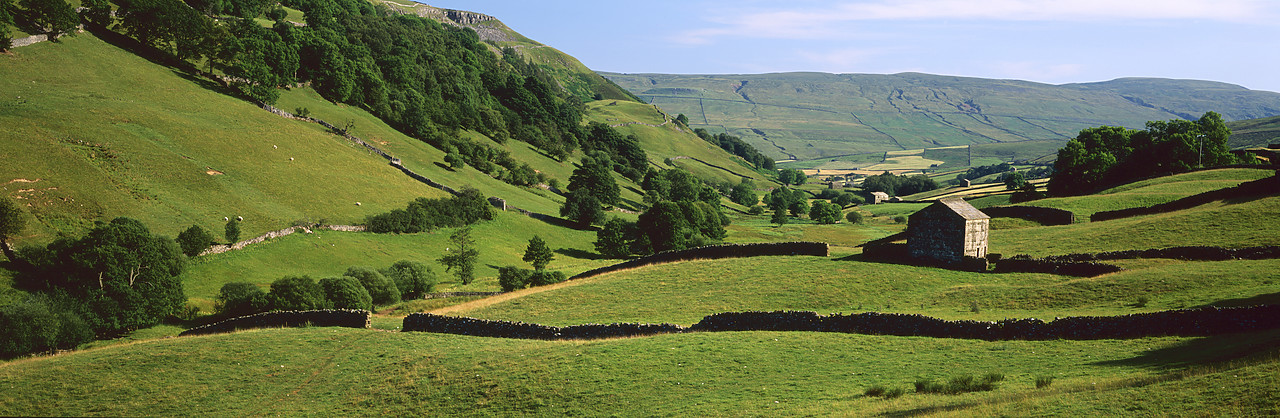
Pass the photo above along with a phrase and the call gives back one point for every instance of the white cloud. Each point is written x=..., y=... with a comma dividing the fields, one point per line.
x=840, y=20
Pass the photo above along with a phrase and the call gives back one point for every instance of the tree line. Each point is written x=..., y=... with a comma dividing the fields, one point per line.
x=1107, y=156
x=736, y=146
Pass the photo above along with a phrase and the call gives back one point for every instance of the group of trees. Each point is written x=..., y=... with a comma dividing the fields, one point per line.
x=790, y=176
x=1106, y=156
x=51, y=17
x=684, y=212
x=357, y=288
x=467, y=207
x=736, y=146
x=898, y=185
x=537, y=254
x=118, y=277
x=423, y=78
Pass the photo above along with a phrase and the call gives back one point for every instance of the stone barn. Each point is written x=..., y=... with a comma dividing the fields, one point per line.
x=878, y=198
x=947, y=231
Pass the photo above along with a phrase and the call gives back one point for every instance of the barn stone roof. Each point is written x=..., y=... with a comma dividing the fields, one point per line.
x=963, y=208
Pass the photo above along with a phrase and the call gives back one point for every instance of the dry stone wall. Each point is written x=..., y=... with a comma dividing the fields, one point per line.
x=1263, y=187
x=819, y=249
x=1185, y=322
x=282, y=319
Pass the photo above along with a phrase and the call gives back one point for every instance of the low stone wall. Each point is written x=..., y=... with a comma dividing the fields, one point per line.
x=1025, y=264
x=281, y=319
x=1044, y=216
x=1087, y=265
x=1190, y=253
x=219, y=249
x=425, y=322
x=442, y=295
x=715, y=252
x=1186, y=322
x=1262, y=187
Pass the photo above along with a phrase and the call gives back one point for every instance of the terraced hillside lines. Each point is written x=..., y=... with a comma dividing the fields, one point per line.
x=177, y=154
x=815, y=115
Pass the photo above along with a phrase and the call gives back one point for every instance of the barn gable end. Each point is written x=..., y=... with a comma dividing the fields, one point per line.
x=948, y=231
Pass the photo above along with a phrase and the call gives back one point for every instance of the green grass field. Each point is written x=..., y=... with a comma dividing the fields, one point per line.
x=83, y=144
x=326, y=371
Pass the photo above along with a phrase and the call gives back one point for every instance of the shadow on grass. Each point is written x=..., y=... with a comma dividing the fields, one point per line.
x=443, y=166
x=1267, y=299
x=1202, y=351
x=561, y=222
x=580, y=254
x=179, y=67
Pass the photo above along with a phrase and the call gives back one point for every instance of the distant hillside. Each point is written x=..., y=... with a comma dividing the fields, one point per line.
x=1254, y=132
x=814, y=115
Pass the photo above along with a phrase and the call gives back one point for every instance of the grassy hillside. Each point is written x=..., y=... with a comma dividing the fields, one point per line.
x=810, y=116
x=1254, y=132
x=82, y=142
x=1151, y=192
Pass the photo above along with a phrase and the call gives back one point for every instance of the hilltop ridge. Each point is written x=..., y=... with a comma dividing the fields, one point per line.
x=810, y=115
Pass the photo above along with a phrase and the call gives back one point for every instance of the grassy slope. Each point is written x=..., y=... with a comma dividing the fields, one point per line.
x=343, y=371
x=1254, y=132
x=75, y=119
x=1151, y=192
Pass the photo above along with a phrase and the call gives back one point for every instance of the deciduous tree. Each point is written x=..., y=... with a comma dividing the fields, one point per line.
x=537, y=253
x=462, y=255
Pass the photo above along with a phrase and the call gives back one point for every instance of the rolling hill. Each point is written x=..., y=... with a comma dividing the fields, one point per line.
x=809, y=116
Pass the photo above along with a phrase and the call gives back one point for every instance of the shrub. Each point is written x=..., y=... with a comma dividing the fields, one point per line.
x=39, y=324
x=381, y=289
x=1142, y=301
x=513, y=278
x=929, y=386
x=232, y=231
x=900, y=219
x=756, y=210
x=853, y=217
x=545, y=277
x=1043, y=381
x=875, y=391
x=296, y=293
x=194, y=240
x=412, y=278
x=824, y=213
x=346, y=292
x=894, y=393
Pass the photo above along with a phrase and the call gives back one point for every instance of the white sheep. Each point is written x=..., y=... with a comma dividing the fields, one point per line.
x=239, y=218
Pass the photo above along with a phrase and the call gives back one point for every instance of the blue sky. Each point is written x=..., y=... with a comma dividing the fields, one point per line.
x=1050, y=41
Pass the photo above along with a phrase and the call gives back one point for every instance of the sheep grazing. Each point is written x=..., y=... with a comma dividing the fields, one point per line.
x=357, y=203
x=290, y=158
x=239, y=218
x=226, y=218
x=274, y=147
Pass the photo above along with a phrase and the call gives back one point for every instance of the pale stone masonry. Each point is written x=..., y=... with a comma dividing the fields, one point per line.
x=948, y=231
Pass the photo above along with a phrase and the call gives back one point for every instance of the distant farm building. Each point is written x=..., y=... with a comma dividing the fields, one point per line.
x=948, y=231
x=878, y=198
